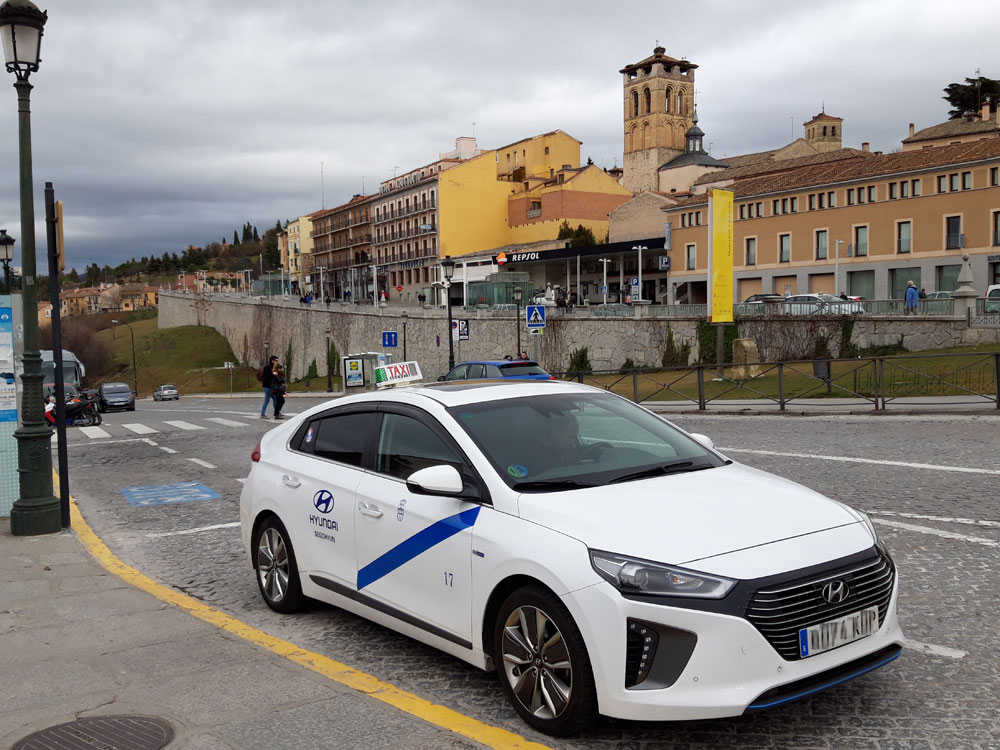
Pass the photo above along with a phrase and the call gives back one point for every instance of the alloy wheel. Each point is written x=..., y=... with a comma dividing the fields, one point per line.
x=272, y=565
x=536, y=662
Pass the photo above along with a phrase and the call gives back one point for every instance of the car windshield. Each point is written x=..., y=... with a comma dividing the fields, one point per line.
x=522, y=368
x=117, y=388
x=565, y=441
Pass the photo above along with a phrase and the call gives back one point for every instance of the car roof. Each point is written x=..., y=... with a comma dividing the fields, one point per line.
x=497, y=362
x=452, y=393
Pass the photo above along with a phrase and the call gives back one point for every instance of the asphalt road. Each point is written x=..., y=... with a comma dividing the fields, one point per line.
x=929, y=482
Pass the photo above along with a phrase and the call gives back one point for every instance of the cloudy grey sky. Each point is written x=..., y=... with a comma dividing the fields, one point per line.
x=165, y=123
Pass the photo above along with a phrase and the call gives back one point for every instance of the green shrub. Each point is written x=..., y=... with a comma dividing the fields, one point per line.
x=707, y=339
x=312, y=372
x=627, y=366
x=674, y=355
x=579, y=363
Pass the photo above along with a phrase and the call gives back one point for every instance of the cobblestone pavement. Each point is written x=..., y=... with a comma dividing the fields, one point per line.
x=941, y=524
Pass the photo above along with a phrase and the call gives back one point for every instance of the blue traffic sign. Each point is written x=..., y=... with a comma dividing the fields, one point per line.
x=390, y=339
x=535, y=316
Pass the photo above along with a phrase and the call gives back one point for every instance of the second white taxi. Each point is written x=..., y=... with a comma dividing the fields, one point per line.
x=599, y=558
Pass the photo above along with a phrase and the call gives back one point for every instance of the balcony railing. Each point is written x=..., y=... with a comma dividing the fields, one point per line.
x=395, y=213
x=534, y=213
x=954, y=242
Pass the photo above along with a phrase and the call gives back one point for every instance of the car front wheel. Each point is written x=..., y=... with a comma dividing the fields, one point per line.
x=543, y=664
x=277, y=572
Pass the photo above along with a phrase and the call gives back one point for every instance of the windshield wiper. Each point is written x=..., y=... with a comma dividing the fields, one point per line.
x=677, y=467
x=552, y=484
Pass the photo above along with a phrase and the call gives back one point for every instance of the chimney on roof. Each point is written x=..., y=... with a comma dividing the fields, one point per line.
x=865, y=147
x=985, y=113
x=911, y=130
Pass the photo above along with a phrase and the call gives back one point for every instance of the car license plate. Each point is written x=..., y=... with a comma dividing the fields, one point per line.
x=832, y=633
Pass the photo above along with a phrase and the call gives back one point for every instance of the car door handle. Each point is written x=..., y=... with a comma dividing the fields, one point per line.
x=370, y=510
x=290, y=481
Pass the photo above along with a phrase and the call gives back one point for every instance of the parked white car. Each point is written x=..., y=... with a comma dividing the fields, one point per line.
x=165, y=393
x=820, y=304
x=597, y=557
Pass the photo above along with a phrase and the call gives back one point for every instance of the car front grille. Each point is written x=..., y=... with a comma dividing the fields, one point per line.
x=781, y=610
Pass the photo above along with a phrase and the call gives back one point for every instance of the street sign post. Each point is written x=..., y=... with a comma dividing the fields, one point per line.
x=460, y=329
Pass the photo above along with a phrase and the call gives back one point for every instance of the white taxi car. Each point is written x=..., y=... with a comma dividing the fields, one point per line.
x=597, y=557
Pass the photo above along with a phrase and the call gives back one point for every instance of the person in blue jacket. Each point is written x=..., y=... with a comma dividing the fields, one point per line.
x=912, y=298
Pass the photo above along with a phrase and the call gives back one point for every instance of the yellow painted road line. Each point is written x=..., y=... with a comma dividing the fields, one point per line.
x=446, y=718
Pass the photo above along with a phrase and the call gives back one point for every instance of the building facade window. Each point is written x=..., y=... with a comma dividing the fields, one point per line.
x=822, y=239
x=994, y=176
x=861, y=241
x=795, y=205
x=953, y=181
x=954, y=239
x=903, y=229
x=751, y=250
x=904, y=191
x=830, y=201
x=691, y=256
x=966, y=180
x=995, y=226
x=942, y=183
x=812, y=201
x=850, y=196
x=893, y=190
x=871, y=193
x=784, y=248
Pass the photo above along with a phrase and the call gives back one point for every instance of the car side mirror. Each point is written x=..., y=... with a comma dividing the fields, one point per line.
x=436, y=480
x=440, y=378
x=704, y=440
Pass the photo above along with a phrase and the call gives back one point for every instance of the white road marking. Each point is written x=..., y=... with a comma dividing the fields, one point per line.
x=140, y=429
x=930, y=648
x=851, y=459
x=194, y=531
x=206, y=464
x=937, y=532
x=184, y=425
x=166, y=449
x=942, y=519
x=95, y=432
x=227, y=422
x=242, y=481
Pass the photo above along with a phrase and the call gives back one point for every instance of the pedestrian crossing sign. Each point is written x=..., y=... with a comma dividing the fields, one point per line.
x=535, y=316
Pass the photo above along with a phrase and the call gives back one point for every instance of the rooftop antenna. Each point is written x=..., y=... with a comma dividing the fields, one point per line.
x=322, y=187
x=362, y=184
x=791, y=126
x=473, y=128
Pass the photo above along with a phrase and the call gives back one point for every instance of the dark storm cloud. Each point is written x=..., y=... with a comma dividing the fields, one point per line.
x=165, y=124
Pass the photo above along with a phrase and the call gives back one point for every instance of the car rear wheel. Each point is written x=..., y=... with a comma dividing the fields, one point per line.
x=277, y=572
x=543, y=664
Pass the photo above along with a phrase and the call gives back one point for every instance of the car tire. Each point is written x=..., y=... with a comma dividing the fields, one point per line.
x=545, y=674
x=276, y=567
x=131, y=408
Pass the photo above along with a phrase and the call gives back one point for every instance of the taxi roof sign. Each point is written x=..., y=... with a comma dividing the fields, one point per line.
x=397, y=373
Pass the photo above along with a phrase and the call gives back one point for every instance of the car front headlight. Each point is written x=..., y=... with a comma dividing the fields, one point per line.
x=634, y=576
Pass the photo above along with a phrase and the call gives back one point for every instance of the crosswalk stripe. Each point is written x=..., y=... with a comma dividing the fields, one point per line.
x=140, y=429
x=226, y=422
x=184, y=425
x=206, y=464
x=95, y=432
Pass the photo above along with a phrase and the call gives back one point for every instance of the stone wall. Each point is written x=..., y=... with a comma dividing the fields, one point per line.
x=249, y=324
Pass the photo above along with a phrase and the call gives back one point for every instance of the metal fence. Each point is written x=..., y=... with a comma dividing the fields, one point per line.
x=875, y=382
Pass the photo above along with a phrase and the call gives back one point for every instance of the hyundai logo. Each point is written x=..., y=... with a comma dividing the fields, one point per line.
x=835, y=592
x=323, y=501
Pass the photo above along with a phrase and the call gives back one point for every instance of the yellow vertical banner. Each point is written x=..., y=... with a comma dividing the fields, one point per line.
x=720, y=254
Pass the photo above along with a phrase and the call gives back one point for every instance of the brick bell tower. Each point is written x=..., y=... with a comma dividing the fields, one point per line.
x=659, y=105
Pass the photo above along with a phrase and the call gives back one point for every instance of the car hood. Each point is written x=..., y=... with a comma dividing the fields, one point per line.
x=687, y=517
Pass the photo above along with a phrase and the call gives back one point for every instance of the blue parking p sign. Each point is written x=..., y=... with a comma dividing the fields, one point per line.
x=390, y=339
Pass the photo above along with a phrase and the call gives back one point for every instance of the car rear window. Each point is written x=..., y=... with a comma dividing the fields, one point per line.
x=521, y=369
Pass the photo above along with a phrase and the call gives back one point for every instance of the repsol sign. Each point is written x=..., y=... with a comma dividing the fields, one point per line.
x=523, y=257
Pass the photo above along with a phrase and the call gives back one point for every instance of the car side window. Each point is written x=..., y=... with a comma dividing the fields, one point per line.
x=458, y=373
x=406, y=445
x=492, y=371
x=340, y=437
x=476, y=371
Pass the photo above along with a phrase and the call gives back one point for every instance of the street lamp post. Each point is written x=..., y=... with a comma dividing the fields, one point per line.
x=135, y=373
x=518, y=296
x=604, y=286
x=37, y=510
x=448, y=269
x=6, y=255
x=836, y=267
x=329, y=377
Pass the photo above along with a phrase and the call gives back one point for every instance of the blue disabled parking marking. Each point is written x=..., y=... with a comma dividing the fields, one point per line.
x=163, y=494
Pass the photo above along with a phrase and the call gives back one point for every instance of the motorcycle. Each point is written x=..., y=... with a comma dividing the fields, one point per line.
x=80, y=410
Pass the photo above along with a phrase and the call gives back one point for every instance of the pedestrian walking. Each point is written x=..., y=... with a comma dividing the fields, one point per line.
x=278, y=388
x=265, y=376
x=911, y=298
x=922, y=294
